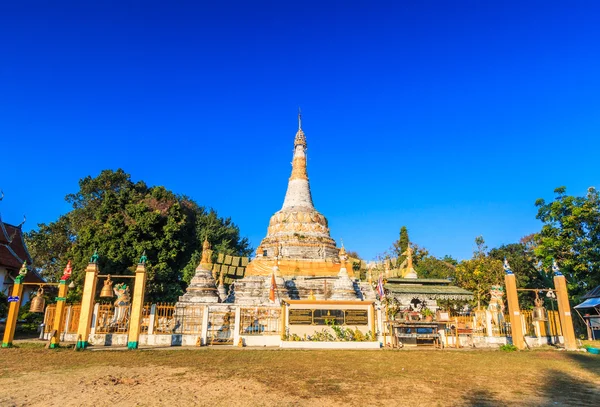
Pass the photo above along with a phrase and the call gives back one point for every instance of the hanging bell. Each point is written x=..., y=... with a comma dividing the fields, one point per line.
x=38, y=302
x=539, y=312
x=107, y=291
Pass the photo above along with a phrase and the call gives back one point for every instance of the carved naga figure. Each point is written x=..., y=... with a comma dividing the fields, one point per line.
x=121, y=303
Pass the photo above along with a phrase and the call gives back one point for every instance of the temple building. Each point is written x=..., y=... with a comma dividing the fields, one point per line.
x=13, y=253
x=297, y=260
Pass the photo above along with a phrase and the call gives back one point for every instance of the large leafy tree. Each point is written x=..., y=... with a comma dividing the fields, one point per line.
x=571, y=236
x=524, y=264
x=479, y=273
x=122, y=219
x=433, y=267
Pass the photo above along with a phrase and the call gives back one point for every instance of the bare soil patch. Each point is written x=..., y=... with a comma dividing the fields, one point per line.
x=241, y=377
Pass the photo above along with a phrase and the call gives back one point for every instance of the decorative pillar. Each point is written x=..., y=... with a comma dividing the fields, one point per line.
x=514, y=311
x=61, y=301
x=564, y=309
x=137, y=304
x=236, y=326
x=87, y=302
x=204, y=329
x=13, y=308
x=152, y=319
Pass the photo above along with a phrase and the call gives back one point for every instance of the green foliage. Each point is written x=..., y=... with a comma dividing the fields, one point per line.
x=509, y=347
x=433, y=267
x=28, y=321
x=571, y=236
x=122, y=219
x=522, y=260
x=479, y=273
x=400, y=246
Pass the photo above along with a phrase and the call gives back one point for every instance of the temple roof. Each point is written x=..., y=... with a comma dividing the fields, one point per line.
x=431, y=288
x=13, y=251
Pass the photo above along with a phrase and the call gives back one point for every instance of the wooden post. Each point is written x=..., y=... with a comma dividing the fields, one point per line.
x=13, y=309
x=564, y=310
x=137, y=306
x=58, y=325
x=514, y=311
x=87, y=305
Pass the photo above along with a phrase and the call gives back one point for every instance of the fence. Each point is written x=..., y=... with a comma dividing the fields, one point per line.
x=164, y=319
x=260, y=321
x=189, y=319
x=70, y=316
x=111, y=319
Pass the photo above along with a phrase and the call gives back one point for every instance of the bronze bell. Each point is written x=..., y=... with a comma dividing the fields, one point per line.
x=539, y=312
x=107, y=291
x=38, y=302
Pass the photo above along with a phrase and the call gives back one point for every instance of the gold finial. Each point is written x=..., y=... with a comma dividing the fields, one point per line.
x=299, y=119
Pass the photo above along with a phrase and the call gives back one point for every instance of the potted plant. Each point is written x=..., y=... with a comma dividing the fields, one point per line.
x=427, y=314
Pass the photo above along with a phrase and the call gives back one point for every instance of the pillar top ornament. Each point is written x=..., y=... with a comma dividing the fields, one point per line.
x=506, y=266
x=555, y=269
x=22, y=273
x=144, y=258
x=94, y=258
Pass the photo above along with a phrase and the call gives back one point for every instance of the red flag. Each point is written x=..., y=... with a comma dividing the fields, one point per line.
x=272, y=291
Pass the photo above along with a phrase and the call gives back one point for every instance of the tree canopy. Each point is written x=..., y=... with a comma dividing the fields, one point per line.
x=571, y=235
x=479, y=273
x=122, y=219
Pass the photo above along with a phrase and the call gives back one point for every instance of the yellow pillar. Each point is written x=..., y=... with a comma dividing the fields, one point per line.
x=513, y=307
x=59, y=321
x=137, y=305
x=564, y=309
x=13, y=308
x=87, y=304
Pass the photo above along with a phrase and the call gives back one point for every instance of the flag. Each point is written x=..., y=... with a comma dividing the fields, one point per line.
x=380, y=289
x=272, y=291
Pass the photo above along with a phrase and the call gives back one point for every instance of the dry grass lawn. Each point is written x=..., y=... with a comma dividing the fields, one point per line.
x=30, y=376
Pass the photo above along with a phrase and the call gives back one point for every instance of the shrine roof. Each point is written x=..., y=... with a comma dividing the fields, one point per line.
x=13, y=251
x=592, y=294
x=440, y=291
x=419, y=281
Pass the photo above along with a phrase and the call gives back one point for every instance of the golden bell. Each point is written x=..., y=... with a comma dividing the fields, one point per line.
x=38, y=302
x=107, y=291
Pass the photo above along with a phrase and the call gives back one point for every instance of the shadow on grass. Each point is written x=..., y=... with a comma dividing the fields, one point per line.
x=482, y=398
x=586, y=361
x=561, y=388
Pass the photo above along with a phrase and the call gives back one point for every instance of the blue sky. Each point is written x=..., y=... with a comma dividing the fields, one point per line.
x=451, y=118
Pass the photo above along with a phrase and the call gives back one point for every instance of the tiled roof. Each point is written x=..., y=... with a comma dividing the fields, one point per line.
x=13, y=251
x=434, y=291
x=592, y=294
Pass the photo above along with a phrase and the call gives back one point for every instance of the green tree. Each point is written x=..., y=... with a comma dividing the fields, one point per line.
x=523, y=263
x=433, y=267
x=399, y=246
x=122, y=219
x=479, y=273
x=571, y=235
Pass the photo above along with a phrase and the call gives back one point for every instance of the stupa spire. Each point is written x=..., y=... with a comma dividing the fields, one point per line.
x=298, y=191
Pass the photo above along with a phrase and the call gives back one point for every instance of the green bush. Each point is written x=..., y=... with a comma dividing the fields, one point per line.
x=509, y=347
